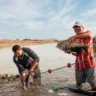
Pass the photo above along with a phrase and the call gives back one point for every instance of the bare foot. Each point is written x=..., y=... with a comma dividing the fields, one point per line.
x=24, y=86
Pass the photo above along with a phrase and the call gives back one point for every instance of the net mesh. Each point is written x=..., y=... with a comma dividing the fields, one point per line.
x=63, y=78
x=60, y=78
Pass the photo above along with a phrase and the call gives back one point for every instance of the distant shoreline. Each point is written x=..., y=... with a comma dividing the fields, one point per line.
x=10, y=43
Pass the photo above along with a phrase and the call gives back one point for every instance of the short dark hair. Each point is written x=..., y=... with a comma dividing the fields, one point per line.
x=16, y=47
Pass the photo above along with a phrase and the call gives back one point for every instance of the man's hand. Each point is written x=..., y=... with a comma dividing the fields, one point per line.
x=69, y=52
x=31, y=73
x=74, y=53
x=33, y=66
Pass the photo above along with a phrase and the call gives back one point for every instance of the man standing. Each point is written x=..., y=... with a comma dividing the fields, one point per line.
x=27, y=59
x=85, y=70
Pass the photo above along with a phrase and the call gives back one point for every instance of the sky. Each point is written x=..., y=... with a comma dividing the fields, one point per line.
x=45, y=19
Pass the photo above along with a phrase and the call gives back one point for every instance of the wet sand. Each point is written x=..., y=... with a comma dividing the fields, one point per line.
x=15, y=89
x=58, y=78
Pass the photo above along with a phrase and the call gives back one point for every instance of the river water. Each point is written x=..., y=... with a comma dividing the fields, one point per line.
x=50, y=57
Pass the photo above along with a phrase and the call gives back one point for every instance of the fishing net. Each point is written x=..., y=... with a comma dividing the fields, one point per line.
x=59, y=77
x=64, y=78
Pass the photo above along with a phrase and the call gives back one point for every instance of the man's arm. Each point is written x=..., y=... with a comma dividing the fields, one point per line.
x=34, y=65
x=34, y=56
x=20, y=67
x=84, y=35
x=80, y=36
x=87, y=34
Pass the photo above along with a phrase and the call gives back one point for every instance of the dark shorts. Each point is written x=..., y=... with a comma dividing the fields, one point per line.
x=88, y=75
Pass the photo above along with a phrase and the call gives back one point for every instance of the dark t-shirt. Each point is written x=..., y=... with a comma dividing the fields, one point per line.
x=22, y=63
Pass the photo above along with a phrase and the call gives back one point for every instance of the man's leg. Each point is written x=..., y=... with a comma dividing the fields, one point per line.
x=27, y=81
x=80, y=78
x=23, y=76
x=37, y=77
x=91, y=78
x=30, y=60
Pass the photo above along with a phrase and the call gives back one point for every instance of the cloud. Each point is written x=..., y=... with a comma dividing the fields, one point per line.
x=66, y=9
x=54, y=19
x=20, y=9
x=89, y=12
x=4, y=35
x=32, y=25
x=39, y=15
x=58, y=17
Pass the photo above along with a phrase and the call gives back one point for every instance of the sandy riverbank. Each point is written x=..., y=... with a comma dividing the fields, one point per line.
x=10, y=43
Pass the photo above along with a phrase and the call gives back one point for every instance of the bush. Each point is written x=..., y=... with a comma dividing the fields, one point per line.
x=26, y=39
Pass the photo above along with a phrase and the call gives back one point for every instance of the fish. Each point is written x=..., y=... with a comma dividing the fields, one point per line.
x=72, y=47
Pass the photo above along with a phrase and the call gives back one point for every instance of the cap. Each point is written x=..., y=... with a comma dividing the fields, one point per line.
x=77, y=24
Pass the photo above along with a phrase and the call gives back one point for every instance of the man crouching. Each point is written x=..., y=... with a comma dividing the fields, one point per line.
x=26, y=59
